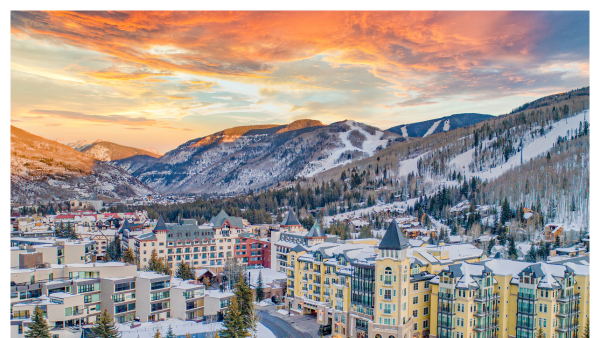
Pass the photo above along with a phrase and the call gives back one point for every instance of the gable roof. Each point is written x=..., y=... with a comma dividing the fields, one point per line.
x=222, y=216
x=290, y=219
x=393, y=239
x=126, y=225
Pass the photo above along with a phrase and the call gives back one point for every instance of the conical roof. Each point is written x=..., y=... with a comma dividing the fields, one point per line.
x=290, y=219
x=160, y=225
x=126, y=225
x=51, y=211
x=393, y=238
x=315, y=231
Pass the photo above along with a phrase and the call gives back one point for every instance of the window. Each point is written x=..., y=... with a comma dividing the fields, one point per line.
x=426, y=285
x=416, y=326
x=426, y=324
x=415, y=313
x=415, y=300
x=425, y=298
x=416, y=287
x=388, y=295
x=425, y=311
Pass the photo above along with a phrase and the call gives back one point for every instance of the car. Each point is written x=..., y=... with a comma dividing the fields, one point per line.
x=325, y=329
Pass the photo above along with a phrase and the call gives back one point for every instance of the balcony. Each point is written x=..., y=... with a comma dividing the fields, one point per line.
x=487, y=313
x=568, y=314
x=446, y=296
x=483, y=299
x=569, y=299
x=365, y=315
x=526, y=296
x=486, y=327
x=567, y=328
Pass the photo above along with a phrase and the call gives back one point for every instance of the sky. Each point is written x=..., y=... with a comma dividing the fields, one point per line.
x=158, y=79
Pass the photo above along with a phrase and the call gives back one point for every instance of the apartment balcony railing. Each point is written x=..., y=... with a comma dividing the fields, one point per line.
x=567, y=328
x=563, y=314
x=569, y=299
x=446, y=296
x=483, y=299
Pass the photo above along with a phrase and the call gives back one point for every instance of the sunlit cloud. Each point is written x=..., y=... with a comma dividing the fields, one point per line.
x=177, y=70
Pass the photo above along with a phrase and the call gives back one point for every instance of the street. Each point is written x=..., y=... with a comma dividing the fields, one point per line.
x=294, y=326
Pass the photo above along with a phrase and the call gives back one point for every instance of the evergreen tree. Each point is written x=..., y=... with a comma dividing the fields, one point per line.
x=155, y=264
x=243, y=293
x=128, y=256
x=105, y=327
x=157, y=334
x=170, y=333
x=512, y=249
x=185, y=272
x=39, y=327
x=233, y=321
x=586, y=329
x=539, y=333
x=260, y=292
x=557, y=243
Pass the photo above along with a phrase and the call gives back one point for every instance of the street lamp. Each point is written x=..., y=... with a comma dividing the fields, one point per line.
x=290, y=309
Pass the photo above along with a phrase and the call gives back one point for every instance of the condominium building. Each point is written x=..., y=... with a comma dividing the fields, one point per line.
x=197, y=246
x=395, y=290
x=74, y=295
x=52, y=251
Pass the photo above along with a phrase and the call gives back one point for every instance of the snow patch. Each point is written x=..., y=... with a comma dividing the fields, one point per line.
x=433, y=128
x=446, y=125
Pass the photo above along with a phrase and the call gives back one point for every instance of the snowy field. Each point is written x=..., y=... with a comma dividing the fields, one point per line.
x=181, y=328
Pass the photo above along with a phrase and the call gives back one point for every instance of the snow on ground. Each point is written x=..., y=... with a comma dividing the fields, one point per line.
x=399, y=206
x=180, y=328
x=268, y=275
x=540, y=146
x=333, y=160
x=284, y=312
x=405, y=167
x=432, y=128
x=446, y=125
x=404, y=132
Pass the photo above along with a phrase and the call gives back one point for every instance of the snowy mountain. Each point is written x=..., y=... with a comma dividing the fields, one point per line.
x=75, y=144
x=443, y=124
x=109, y=151
x=106, y=151
x=45, y=169
x=254, y=157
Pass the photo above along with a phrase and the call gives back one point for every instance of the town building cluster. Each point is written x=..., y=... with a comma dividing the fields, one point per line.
x=398, y=286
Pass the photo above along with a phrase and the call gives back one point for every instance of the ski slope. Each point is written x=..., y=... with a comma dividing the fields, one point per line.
x=538, y=147
x=432, y=128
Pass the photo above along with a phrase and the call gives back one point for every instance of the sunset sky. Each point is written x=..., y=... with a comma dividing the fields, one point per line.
x=158, y=79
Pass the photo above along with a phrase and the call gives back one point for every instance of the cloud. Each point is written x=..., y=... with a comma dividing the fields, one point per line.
x=111, y=118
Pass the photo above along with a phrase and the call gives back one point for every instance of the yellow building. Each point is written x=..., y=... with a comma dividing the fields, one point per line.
x=393, y=290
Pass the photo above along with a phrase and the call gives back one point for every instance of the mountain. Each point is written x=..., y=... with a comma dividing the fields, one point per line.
x=109, y=151
x=443, y=124
x=255, y=157
x=75, y=144
x=153, y=151
x=45, y=169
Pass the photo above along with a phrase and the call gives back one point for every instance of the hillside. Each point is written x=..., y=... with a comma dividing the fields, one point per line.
x=256, y=157
x=45, y=169
x=109, y=151
x=443, y=124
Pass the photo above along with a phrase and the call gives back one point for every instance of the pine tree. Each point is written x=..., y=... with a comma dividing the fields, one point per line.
x=155, y=264
x=105, y=327
x=170, y=333
x=166, y=268
x=539, y=333
x=157, y=334
x=586, y=329
x=512, y=249
x=243, y=293
x=557, y=243
x=233, y=322
x=128, y=256
x=185, y=272
x=39, y=327
x=260, y=293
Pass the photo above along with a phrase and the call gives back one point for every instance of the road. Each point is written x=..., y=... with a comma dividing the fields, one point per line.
x=281, y=328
